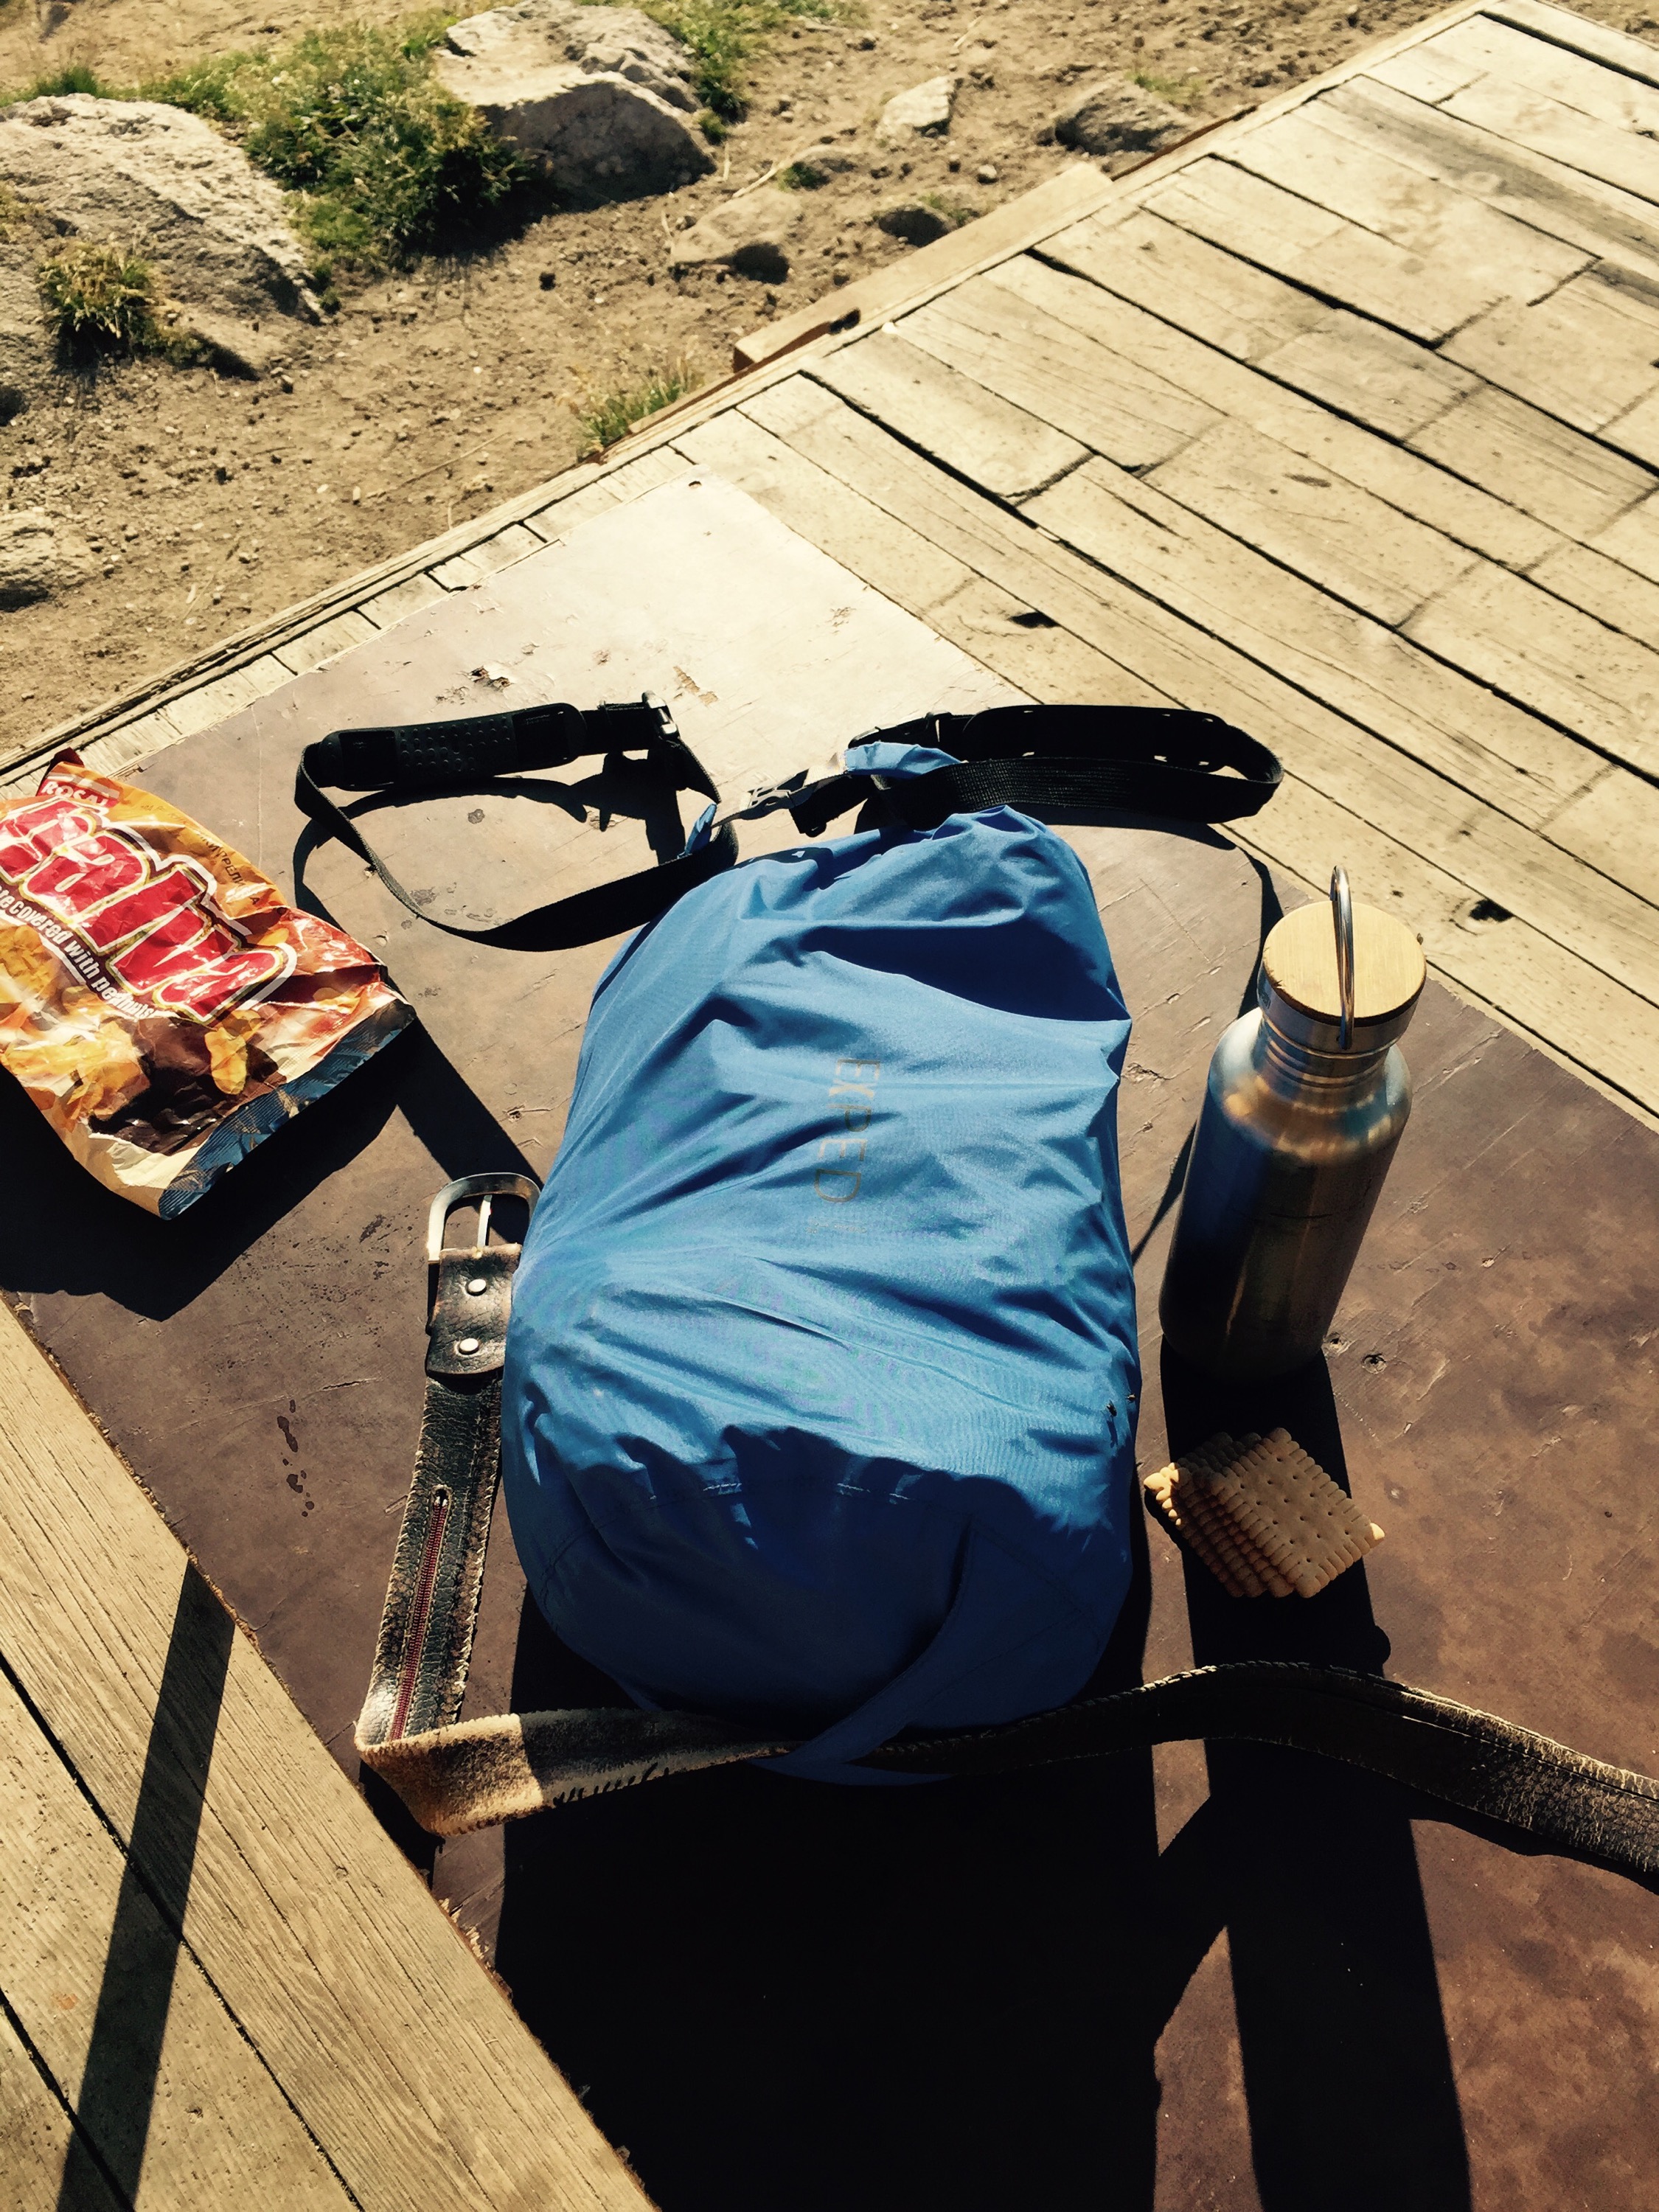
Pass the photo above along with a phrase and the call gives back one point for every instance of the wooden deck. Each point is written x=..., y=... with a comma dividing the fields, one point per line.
x=1341, y=422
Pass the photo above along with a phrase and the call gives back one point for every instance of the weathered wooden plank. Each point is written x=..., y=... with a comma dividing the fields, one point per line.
x=1489, y=255
x=562, y=515
x=75, y=1949
x=1421, y=73
x=1567, y=480
x=1376, y=676
x=1603, y=221
x=1548, y=127
x=1339, y=537
x=1044, y=658
x=1534, y=648
x=112, y=755
x=1607, y=95
x=1487, y=852
x=402, y=2059
x=996, y=331
x=1614, y=826
x=1587, y=354
x=1251, y=217
x=1387, y=382
x=1007, y=633
x=400, y=600
x=990, y=439
x=1605, y=588
x=314, y=647
x=890, y=556
x=210, y=702
x=1008, y=229
x=1517, y=970
x=35, y=2131
x=1369, y=372
x=1633, y=538
x=500, y=551
x=1638, y=432
x=1578, y=35
x=1130, y=342
x=1231, y=304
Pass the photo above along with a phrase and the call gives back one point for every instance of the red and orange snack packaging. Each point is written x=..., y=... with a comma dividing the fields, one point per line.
x=160, y=1002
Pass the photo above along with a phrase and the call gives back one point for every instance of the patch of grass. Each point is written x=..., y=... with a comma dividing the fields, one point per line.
x=954, y=212
x=99, y=295
x=13, y=212
x=801, y=177
x=77, y=77
x=1179, y=91
x=603, y=418
x=713, y=127
x=383, y=162
x=724, y=35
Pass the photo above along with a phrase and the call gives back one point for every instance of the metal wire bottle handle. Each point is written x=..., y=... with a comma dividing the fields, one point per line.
x=1342, y=911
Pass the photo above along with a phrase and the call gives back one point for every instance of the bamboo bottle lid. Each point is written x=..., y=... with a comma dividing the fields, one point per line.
x=1299, y=961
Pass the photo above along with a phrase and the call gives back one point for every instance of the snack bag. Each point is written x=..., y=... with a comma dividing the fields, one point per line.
x=160, y=1003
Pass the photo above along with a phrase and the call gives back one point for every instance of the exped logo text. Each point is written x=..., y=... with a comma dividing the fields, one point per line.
x=853, y=1096
x=142, y=927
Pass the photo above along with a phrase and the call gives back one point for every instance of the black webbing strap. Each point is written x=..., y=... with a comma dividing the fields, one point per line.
x=1060, y=760
x=458, y=1776
x=422, y=759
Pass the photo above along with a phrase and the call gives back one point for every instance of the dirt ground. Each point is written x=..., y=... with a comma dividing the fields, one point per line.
x=212, y=502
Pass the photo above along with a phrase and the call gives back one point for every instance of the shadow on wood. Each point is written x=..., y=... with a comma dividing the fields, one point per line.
x=117, y=2088
x=1315, y=1872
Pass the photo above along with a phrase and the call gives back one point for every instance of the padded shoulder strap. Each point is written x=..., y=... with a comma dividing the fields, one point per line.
x=423, y=759
x=1063, y=761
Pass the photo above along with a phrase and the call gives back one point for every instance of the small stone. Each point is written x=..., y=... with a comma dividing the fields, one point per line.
x=1119, y=119
x=747, y=235
x=39, y=558
x=924, y=112
x=987, y=174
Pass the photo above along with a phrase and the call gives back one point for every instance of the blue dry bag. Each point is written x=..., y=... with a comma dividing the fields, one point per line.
x=820, y=1392
x=818, y=1406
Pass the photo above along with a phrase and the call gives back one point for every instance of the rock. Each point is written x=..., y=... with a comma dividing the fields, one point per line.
x=600, y=41
x=924, y=112
x=38, y=556
x=132, y=169
x=987, y=174
x=237, y=349
x=600, y=96
x=916, y=226
x=1114, y=118
x=747, y=235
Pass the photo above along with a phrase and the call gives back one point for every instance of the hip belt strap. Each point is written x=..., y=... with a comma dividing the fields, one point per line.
x=456, y=1775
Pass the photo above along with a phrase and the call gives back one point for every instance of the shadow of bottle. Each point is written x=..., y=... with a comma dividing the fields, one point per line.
x=1348, y=2071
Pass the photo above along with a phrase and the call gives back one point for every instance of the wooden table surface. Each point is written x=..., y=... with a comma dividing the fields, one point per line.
x=1244, y=1980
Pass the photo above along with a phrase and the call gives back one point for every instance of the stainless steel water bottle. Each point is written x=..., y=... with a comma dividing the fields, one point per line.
x=1306, y=1100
